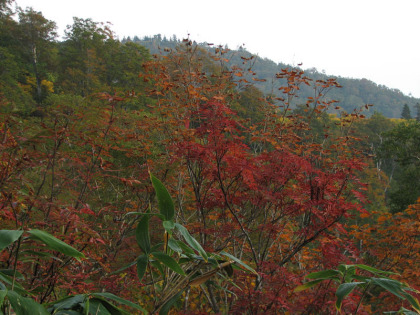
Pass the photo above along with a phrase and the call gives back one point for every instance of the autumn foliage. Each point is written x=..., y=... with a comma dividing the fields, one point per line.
x=283, y=198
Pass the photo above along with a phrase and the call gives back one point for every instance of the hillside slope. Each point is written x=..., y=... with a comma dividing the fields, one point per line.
x=353, y=94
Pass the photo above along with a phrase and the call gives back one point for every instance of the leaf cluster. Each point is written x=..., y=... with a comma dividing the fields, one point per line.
x=348, y=279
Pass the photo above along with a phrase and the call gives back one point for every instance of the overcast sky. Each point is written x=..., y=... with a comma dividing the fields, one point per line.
x=374, y=39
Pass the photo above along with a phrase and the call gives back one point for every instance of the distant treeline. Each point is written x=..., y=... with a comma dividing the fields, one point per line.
x=353, y=94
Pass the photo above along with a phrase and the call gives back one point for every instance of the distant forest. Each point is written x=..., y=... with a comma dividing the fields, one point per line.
x=354, y=93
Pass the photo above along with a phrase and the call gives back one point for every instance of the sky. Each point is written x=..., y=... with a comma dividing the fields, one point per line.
x=373, y=39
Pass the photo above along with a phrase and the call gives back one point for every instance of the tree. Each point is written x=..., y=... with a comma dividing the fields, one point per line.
x=417, y=106
x=249, y=104
x=124, y=63
x=5, y=8
x=400, y=153
x=372, y=131
x=269, y=191
x=406, y=114
x=13, y=67
x=37, y=36
x=82, y=69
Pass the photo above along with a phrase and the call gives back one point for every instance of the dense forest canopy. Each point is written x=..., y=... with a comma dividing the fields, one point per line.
x=152, y=174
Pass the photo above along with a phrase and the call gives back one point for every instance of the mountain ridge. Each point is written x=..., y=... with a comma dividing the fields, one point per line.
x=354, y=93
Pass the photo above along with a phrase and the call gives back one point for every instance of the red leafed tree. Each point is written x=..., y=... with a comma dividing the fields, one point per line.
x=266, y=192
x=266, y=206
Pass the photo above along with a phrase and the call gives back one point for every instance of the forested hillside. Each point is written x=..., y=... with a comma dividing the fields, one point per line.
x=354, y=93
x=180, y=183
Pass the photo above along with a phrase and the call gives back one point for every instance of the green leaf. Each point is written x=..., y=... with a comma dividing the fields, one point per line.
x=374, y=270
x=120, y=300
x=407, y=288
x=156, y=247
x=342, y=268
x=362, y=278
x=142, y=234
x=402, y=311
x=7, y=237
x=142, y=265
x=184, y=260
x=167, y=306
x=325, y=274
x=174, y=245
x=55, y=244
x=392, y=286
x=25, y=306
x=191, y=241
x=186, y=249
x=412, y=300
x=104, y=307
x=9, y=281
x=343, y=290
x=350, y=272
x=307, y=285
x=96, y=307
x=169, y=262
x=166, y=205
x=239, y=262
x=157, y=265
x=169, y=226
x=67, y=303
x=12, y=273
x=86, y=307
x=3, y=294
